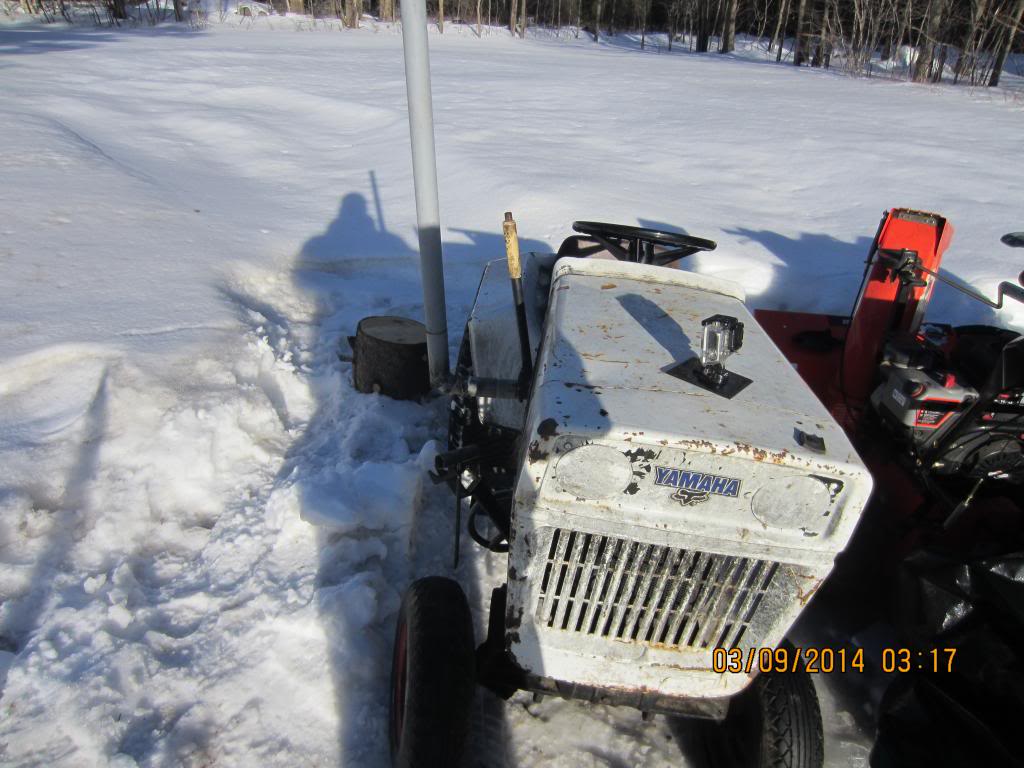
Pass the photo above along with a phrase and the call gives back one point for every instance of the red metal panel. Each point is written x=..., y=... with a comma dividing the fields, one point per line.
x=812, y=343
x=877, y=312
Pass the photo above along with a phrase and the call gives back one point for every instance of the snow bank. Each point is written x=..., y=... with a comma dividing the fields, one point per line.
x=204, y=531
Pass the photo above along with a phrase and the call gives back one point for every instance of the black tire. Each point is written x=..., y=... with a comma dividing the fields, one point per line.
x=774, y=723
x=791, y=730
x=432, y=676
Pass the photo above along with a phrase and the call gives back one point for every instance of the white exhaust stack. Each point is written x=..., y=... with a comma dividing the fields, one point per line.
x=424, y=169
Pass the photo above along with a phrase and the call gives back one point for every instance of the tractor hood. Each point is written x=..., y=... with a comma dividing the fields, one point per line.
x=614, y=427
x=656, y=520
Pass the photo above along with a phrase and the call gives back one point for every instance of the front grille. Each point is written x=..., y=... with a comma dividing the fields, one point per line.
x=627, y=590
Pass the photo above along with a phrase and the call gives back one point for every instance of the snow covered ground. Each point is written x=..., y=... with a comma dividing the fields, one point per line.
x=203, y=529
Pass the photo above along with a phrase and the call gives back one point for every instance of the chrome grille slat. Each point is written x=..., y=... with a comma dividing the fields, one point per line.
x=733, y=571
x=558, y=568
x=734, y=592
x=696, y=615
x=629, y=553
x=680, y=594
x=648, y=593
x=632, y=588
x=652, y=593
x=732, y=629
x=692, y=589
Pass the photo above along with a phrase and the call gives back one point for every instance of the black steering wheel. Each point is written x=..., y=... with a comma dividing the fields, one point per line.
x=638, y=243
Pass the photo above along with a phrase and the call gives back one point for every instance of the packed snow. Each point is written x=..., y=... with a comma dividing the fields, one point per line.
x=204, y=530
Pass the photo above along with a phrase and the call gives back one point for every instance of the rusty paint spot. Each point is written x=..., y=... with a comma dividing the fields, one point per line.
x=760, y=454
x=701, y=445
x=535, y=453
x=804, y=597
x=607, y=286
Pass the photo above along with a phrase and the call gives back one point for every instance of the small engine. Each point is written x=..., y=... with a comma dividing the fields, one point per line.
x=955, y=396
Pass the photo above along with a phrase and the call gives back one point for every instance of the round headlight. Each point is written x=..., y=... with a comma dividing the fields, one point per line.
x=792, y=502
x=593, y=472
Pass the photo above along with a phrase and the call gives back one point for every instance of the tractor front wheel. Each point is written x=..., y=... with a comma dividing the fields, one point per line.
x=432, y=676
x=774, y=723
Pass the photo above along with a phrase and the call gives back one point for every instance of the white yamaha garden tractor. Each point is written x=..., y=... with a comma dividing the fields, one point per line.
x=669, y=492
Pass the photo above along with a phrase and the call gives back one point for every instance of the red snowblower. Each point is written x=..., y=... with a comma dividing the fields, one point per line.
x=936, y=568
x=936, y=411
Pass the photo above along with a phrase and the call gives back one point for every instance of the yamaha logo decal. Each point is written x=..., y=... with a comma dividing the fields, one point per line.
x=694, y=488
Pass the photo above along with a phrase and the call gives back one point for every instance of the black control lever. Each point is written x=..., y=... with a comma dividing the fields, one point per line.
x=515, y=273
x=899, y=259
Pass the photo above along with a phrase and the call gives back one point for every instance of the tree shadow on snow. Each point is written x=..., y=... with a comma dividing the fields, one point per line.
x=54, y=38
x=355, y=468
x=810, y=266
x=825, y=273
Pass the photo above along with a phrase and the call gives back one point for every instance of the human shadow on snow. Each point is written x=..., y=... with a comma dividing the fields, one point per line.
x=354, y=268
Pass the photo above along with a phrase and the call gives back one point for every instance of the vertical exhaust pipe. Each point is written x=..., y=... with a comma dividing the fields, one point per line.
x=424, y=170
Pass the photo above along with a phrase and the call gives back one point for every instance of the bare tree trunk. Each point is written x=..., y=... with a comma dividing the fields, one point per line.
x=440, y=16
x=597, y=20
x=904, y=28
x=940, y=64
x=522, y=19
x=969, y=46
x=673, y=21
x=179, y=10
x=780, y=29
x=1012, y=21
x=729, y=27
x=818, y=57
x=799, y=42
x=827, y=35
x=931, y=28
x=611, y=21
x=718, y=17
x=513, y=8
x=703, y=26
